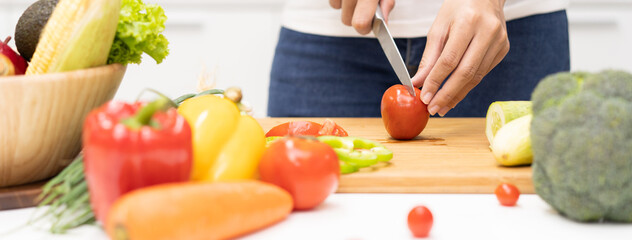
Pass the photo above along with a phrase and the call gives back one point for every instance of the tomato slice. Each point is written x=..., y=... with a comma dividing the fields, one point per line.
x=330, y=128
x=295, y=128
x=307, y=128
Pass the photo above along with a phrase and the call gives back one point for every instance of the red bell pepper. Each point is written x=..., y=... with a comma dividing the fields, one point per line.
x=130, y=146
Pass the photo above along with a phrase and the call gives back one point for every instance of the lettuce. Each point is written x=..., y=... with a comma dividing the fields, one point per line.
x=139, y=31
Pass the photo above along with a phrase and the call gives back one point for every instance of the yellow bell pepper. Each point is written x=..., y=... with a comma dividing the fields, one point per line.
x=226, y=144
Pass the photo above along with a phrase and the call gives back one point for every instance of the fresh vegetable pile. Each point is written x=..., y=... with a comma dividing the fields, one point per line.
x=66, y=35
x=165, y=149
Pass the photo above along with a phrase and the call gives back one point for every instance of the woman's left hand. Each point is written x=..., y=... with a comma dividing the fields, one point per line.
x=466, y=41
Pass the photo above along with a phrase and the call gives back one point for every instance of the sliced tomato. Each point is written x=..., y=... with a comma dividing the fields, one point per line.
x=330, y=128
x=295, y=128
x=307, y=128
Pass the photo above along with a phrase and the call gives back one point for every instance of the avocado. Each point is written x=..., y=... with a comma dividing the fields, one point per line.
x=30, y=25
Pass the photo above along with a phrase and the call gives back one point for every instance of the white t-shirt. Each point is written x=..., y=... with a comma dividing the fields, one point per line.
x=409, y=18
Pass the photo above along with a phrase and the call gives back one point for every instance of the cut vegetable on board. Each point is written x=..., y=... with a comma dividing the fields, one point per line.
x=503, y=112
x=512, y=144
x=307, y=128
x=354, y=153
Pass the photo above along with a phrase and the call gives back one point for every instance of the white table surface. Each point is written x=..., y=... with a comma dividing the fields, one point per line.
x=383, y=216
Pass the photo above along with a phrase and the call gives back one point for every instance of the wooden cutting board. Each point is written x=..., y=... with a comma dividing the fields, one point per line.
x=20, y=196
x=451, y=155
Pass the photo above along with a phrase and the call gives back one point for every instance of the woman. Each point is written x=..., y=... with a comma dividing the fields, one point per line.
x=327, y=63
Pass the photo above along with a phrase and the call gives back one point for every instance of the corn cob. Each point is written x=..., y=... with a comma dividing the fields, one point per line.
x=79, y=34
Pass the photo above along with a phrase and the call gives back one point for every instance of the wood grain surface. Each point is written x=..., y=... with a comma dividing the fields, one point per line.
x=450, y=156
x=42, y=116
x=20, y=196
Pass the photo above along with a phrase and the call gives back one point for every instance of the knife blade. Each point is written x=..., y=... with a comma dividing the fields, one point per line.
x=387, y=42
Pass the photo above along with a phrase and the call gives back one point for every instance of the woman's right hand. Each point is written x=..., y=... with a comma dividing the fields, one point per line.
x=359, y=13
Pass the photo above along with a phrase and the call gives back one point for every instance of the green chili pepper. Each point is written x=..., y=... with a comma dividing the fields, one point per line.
x=358, y=158
x=357, y=152
x=346, y=168
x=353, y=152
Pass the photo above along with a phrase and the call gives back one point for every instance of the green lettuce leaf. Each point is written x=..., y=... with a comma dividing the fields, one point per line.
x=139, y=31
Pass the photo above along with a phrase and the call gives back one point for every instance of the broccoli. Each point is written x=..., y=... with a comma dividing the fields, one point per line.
x=582, y=144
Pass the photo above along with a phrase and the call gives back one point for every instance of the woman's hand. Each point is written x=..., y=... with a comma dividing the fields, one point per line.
x=359, y=13
x=466, y=41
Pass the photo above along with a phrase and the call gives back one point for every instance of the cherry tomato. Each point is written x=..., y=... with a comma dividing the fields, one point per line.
x=308, y=169
x=507, y=194
x=307, y=128
x=404, y=115
x=420, y=221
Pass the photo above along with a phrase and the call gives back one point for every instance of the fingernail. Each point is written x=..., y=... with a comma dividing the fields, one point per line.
x=444, y=111
x=433, y=110
x=426, y=99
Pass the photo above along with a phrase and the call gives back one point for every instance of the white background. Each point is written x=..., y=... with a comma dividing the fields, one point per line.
x=383, y=217
x=234, y=40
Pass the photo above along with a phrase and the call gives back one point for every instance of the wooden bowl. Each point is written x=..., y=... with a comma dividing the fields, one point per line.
x=41, y=118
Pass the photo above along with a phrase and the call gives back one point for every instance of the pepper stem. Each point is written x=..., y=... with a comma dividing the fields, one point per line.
x=144, y=115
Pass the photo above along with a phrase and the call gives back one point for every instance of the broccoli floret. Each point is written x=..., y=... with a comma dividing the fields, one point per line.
x=581, y=136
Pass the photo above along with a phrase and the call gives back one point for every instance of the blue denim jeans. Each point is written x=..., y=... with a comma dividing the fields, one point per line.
x=321, y=76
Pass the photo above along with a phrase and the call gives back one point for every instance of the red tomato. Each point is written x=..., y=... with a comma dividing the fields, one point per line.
x=307, y=128
x=404, y=115
x=420, y=221
x=307, y=169
x=507, y=194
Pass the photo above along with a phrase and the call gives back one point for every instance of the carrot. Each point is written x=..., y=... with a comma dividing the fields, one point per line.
x=197, y=210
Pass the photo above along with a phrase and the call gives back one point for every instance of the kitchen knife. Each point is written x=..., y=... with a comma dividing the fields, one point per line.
x=390, y=49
